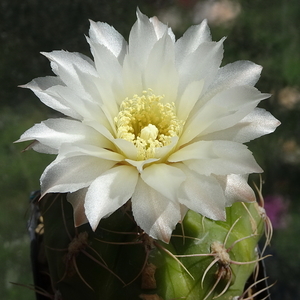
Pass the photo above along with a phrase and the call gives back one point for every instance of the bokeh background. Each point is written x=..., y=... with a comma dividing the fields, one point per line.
x=264, y=31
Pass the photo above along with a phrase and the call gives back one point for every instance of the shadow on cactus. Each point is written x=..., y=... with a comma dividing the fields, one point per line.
x=205, y=259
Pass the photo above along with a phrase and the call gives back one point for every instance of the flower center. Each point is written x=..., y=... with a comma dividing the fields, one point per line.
x=147, y=123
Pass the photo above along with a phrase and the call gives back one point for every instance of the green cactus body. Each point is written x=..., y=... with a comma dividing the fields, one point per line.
x=118, y=261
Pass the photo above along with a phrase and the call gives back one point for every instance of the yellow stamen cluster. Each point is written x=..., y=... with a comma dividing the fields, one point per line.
x=147, y=123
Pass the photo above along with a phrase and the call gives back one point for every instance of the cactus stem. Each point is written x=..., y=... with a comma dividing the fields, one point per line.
x=79, y=274
x=175, y=257
x=222, y=273
x=77, y=245
x=249, y=262
x=143, y=238
x=229, y=231
x=104, y=266
x=142, y=269
x=266, y=219
x=206, y=270
x=222, y=258
x=252, y=220
x=239, y=240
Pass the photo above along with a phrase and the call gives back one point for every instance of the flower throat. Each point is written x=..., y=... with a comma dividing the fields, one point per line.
x=147, y=123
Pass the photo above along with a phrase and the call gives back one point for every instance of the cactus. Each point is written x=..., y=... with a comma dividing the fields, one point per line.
x=205, y=259
x=143, y=123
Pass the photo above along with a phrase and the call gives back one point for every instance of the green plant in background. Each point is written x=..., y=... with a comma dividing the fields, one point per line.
x=159, y=122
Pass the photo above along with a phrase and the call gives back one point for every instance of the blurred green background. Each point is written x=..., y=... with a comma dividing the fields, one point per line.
x=263, y=31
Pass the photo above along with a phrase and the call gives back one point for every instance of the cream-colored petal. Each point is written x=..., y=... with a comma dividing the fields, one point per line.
x=104, y=34
x=139, y=164
x=41, y=88
x=109, y=192
x=127, y=148
x=154, y=213
x=189, y=98
x=161, y=28
x=101, y=128
x=54, y=132
x=107, y=65
x=78, y=149
x=72, y=173
x=217, y=157
x=132, y=77
x=239, y=73
x=108, y=104
x=87, y=110
x=191, y=39
x=202, y=194
x=38, y=147
x=255, y=124
x=236, y=188
x=222, y=111
x=203, y=63
x=162, y=153
x=72, y=68
x=142, y=37
x=164, y=178
x=160, y=73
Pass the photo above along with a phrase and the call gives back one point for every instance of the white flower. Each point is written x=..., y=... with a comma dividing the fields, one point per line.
x=155, y=120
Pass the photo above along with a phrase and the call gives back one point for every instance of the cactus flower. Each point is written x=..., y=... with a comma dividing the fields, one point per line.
x=155, y=120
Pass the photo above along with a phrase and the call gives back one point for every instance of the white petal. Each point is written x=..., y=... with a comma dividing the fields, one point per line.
x=183, y=211
x=101, y=128
x=202, y=194
x=108, y=104
x=236, y=188
x=109, y=192
x=252, y=97
x=109, y=69
x=77, y=201
x=54, y=132
x=217, y=157
x=164, y=178
x=41, y=87
x=191, y=39
x=222, y=111
x=239, y=73
x=127, y=148
x=71, y=150
x=257, y=123
x=139, y=164
x=160, y=73
x=141, y=39
x=187, y=101
x=162, y=153
x=72, y=173
x=38, y=147
x=201, y=64
x=106, y=35
x=132, y=77
x=161, y=28
x=68, y=66
x=87, y=110
x=154, y=213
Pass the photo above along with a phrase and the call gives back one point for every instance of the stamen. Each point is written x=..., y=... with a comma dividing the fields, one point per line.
x=147, y=123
